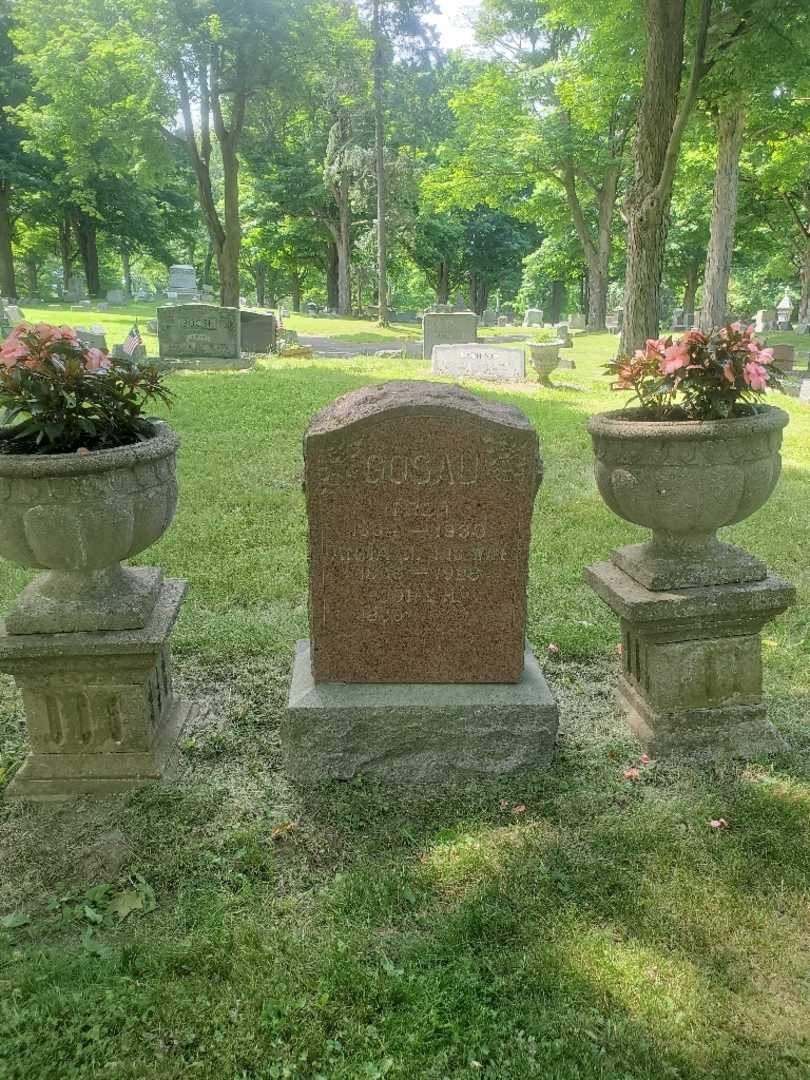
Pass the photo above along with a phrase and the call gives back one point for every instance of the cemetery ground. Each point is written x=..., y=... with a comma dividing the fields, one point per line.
x=608, y=918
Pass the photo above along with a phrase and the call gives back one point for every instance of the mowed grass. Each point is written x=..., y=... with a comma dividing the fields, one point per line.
x=563, y=926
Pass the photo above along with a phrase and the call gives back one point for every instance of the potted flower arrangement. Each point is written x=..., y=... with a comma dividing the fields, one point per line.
x=86, y=480
x=698, y=451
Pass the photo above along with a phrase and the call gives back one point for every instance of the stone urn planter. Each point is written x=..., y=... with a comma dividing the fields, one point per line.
x=545, y=358
x=76, y=516
x=684, y=480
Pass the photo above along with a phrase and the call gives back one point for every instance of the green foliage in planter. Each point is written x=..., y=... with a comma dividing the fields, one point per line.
x=60, y=396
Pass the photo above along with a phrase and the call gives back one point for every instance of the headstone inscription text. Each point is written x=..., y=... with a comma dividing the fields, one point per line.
x=199, y=330
x=419, y=498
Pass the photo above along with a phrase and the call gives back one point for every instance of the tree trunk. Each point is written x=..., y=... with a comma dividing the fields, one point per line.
x=597, y=255
x=208, y=265
x=127, y=270
x=295, y=290
x=332, y=276
x=64, y=250
x=443, y=283
x=260, y=277
x=228, y=256
x=804, y=302
x=343, y=241
x=32, y=274
x=659, y=131
x=8, y=286
x=690, y=292
x=730, y=128
x=379, y=161
x=88, y=250
x=557, y=300
x=597, y=290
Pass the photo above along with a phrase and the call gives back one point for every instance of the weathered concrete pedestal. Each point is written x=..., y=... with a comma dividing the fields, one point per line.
x=417, y=732
x=692, y=671
x=102, y=716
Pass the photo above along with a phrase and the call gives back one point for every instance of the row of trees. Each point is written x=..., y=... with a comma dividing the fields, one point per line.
x=308, y=145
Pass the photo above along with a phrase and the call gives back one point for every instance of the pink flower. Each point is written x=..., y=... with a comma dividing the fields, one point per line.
x=755, y=375
x=675, y=358
x=46, y=332
x=729, y=373
x=737, y=327
x=645, y=759
x=765, y=356
x=718, y=823
x=96, y=360
x=12, y=352
x=67, y=333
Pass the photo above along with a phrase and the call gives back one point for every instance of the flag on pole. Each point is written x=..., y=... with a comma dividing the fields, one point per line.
x=133, y=341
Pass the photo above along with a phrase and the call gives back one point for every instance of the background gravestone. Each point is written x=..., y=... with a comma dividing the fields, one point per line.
x=258, y=330
x=451, y=328
x=419, y=499
x=479, y=361
x=533, y=317
x=200, y=336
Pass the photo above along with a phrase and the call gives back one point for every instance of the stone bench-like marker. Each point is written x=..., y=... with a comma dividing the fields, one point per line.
x=498, y=362
x=419, y=498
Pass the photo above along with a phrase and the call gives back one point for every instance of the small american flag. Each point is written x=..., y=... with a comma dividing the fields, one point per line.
x=134, y=340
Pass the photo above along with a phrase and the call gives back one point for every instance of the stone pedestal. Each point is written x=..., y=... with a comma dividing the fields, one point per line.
x=102, y=716
x=692, y=673
x=417, y=732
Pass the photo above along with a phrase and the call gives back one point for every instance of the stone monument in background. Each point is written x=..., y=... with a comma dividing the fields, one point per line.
x=420, y=499
x=447, y=328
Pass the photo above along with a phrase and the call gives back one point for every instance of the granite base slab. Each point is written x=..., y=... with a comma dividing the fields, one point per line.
x=417, y=732
x=691, y=680
x=101, y=713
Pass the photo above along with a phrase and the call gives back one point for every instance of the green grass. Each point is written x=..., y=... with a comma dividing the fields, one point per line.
x=604, y=932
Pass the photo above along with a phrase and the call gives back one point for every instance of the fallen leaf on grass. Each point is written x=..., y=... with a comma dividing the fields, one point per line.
x=553, y=650
x=504, y=804
x=632, y=774
x=519, y=809
x=645, y=759
x=282, y=830
x=718, y=823
x=124, y=903
x=15, y=919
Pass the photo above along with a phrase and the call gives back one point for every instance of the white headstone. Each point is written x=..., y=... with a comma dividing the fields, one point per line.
x=533, y=317
x=498, y=362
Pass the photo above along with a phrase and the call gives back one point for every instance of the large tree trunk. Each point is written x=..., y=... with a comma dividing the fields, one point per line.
x=228, y=256
x=443, y=283
x=64, y=250
x=332, y=276
x=730, y=128
x=557, y=300
x=295, y=290
x=260, y=277
x=8, y=286
x=127, y=271
x=379, y=162
x=88, y=250
x=31, y=274
x=804, y=302
x=597, y=255
x=207, y=265
x=690, y=291
x=341, y=233
x=661, y=122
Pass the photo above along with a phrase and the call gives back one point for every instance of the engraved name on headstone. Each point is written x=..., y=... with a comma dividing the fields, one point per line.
x=419, y=499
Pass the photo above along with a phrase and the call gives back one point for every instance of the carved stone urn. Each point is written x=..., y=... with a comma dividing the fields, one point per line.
x=545, y=358
x=76, y=516
x=684, y=480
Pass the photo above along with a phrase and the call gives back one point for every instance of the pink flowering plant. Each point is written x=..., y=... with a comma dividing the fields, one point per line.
x=60, y=396
x=700, y=376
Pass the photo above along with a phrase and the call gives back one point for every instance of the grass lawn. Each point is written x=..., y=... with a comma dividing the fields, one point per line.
x=563, y=926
